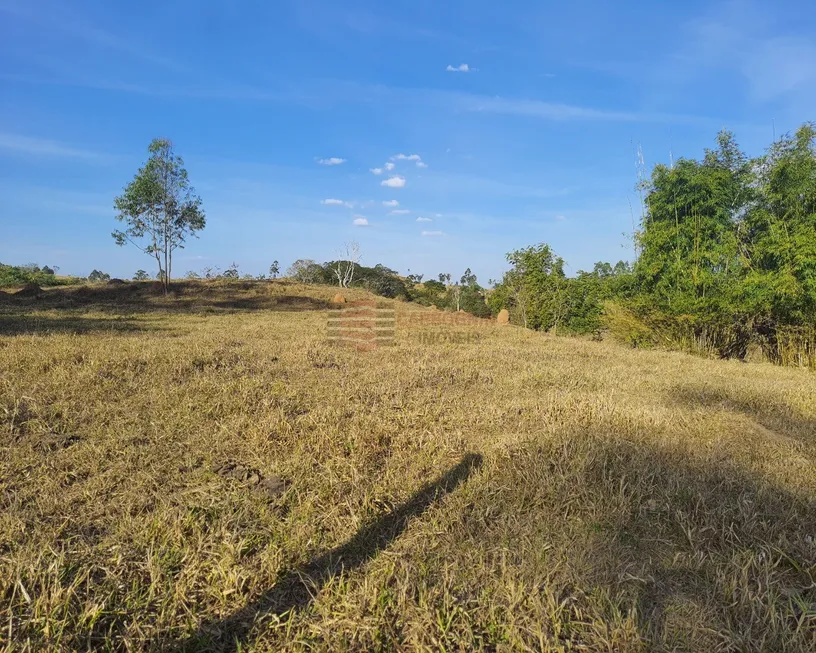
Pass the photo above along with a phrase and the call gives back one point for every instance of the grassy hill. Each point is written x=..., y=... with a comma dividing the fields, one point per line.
x=205, y=472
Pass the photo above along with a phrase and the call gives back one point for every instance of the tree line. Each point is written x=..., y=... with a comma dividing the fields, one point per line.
x=725, y=258
x=464, y=294
x=160, y=211
x=18, y=275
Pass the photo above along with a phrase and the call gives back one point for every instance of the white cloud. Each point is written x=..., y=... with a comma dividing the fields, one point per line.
x=424, y=220
x=461, y=68
x=421, y=164
x=45, y=148
x=390, y=203
x=394, y=182
x=562, y=112
x=438, y=215
x=360, y=221
x=560, y=217
x=399, y=212
x=389, y=166
x=73, y=26
x=312, y=98
x=376, y=171
x=737, y=37
x=406, y=157
x=331, y=161
x=433, y=233
x=334, y=202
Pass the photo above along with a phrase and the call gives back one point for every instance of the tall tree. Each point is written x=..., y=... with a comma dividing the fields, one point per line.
x=305, y=271
x=274, y=270
x=468, y=278
x=159, y=208
x=690, y=259
x=781, y=250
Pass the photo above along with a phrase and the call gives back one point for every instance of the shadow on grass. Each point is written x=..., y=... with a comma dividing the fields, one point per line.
x=15, y=324
x=613, y=544
x=296, y=589
x=777, y=417
x=185, y=297
x=644, y=545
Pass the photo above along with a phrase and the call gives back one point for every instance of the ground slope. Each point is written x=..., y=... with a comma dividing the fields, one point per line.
x=507, y=491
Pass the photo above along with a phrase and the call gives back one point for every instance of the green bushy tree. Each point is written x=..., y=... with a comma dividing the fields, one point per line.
x=307, y=271
x=98, y=275
x=690, y=255
x=534, y=289
x=159, y=208
x=14, y=275
x=780, y=233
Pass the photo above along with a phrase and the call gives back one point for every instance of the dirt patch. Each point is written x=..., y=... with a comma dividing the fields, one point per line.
x=271, y=487
x=51, y=442
x=295, y=302
x=29, y=290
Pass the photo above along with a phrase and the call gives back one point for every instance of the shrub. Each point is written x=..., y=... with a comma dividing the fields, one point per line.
x=98, y=275
x=12, y=275
x=472, y=301
x=625, y=326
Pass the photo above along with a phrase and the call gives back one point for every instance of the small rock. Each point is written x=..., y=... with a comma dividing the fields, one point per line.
x=226, y=469
x=273, y=486
x=503, y=317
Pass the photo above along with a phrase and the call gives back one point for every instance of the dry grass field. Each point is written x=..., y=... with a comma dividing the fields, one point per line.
x=206, y=473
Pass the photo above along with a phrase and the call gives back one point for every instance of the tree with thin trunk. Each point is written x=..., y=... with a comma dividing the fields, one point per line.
x=159, y=208
x=349, y=259
x=457, y=295
x=274, y=270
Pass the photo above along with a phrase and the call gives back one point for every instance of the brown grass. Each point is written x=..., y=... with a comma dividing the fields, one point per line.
x=505, y=491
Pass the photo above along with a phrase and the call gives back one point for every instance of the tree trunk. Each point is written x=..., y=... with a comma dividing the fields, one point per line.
x=159, y=263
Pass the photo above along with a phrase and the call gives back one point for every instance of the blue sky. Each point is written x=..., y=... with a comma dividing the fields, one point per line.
x=517, y=122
